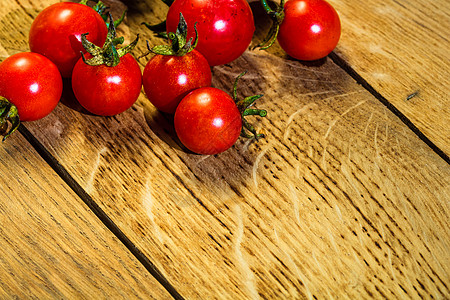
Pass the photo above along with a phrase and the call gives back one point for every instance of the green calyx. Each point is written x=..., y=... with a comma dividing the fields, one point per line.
x=277, y=16
x=245, y=108
x=8, y=114
x=179, y=45
x=108, y=55
x=101, y=9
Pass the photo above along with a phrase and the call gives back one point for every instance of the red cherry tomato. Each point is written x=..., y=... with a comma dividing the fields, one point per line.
x=225, y=27
x=56, y=33
x=32, y=83
x=104, y=90
x=310, y=30
x=207, y=121
x=167, y=79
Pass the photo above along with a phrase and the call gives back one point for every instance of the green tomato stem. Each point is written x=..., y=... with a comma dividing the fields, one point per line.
x=248, y=130
x=8, y=113
x=266, y=6
x=277, y=16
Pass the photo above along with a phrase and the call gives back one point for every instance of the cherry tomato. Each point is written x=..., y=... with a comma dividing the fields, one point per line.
x=32, y=83
x=207, y=121
x=56, y=33
x=225, y=27
x=104, y=90
x=167, y=79
x=310, y=30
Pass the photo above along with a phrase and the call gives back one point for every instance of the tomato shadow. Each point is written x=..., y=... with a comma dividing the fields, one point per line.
x=162, y=125
x=69, y=100
x=223, y=174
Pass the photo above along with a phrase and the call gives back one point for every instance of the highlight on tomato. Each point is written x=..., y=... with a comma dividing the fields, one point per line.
x=107, y=81
x=305, y=29
x=30, y=88
x=209, y=121
x=175, y=70
x=225, y=27
x=56, y=33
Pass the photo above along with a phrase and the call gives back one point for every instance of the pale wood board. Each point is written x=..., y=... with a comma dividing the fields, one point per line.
x=52, y=245
x=401, y=48
x=341, y=200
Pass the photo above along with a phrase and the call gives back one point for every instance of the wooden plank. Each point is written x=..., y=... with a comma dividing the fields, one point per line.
x=401, y=49
x=341, y=200
x=52, y=245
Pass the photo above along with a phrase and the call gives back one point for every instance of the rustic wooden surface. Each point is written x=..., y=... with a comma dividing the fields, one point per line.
x=342, y=200
x=52, y=244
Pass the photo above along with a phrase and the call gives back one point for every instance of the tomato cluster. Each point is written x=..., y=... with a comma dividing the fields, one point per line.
x=75, y=41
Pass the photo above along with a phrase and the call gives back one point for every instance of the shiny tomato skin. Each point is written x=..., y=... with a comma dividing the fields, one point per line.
x=56, y=33
x=167, y=79
x=207, y=121
x=310, y=30
x=107, y=91
x=32, y=83
x=225, y=27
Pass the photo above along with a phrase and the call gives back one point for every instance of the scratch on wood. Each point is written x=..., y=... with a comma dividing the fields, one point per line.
x=90, y=183
x=324, y=161
x=375, y=141
x=292, y=116
x=339, y=213
x=368, y=122
x=319, y=266
x=249, y=279
x=390, y=264
x=296, y=201
x=383, y=234
x=247, y=144
x=147, y=202
x=398, y=144
x=333, y=241
x=357, y=259
x=345, y=112
x=349, y=152
x=256, y=164
x=360, y=231
x=387, y=125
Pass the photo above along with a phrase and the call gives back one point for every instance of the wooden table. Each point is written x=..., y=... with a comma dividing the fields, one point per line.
x=346, y=198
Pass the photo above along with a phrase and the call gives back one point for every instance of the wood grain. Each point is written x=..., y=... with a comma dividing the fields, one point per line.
x=52, y=245
x=341, y=200
x=401, y=49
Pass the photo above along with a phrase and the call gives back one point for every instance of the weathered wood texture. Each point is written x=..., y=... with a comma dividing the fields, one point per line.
x=52, y=246
x=341, y=199
x=401, y=48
